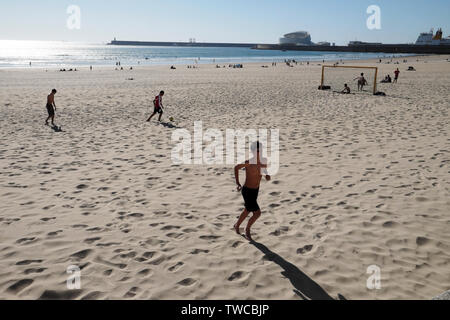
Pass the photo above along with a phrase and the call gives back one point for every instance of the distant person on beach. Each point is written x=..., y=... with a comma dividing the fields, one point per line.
x=396, y=73
x=254, y=168
x=361, y=82
x=51, y=107
x=346, y=89
x=387, y=79
x=158, y=106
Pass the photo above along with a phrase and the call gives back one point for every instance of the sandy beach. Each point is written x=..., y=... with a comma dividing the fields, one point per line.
x=364, y=180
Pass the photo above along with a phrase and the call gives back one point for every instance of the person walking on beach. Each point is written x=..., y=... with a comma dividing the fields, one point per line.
x=396, y=73
x=51, y=107
x=158, y=106
x=254, y=168
x=361, y=82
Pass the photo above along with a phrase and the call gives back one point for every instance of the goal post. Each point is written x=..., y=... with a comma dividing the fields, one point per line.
x=335, y=76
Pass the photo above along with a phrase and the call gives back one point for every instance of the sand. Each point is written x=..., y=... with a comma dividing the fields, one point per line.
x=363, y=181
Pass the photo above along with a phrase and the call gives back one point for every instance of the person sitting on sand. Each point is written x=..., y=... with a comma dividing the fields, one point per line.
x=157, y=103
x=361, y=82
x=346, y=89
x=387, y=79
x=51, y=107
x=253, y=169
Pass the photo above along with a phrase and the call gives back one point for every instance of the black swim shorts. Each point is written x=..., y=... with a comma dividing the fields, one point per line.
x=250, y=198
x=51, y=111
x=158, y=110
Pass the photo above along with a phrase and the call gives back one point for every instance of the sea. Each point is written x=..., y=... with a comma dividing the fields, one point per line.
x=58, y=54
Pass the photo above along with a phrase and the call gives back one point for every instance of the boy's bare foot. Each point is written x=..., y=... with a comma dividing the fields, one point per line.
x=237, y=229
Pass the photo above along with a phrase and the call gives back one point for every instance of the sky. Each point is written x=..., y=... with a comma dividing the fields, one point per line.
x=252, y=21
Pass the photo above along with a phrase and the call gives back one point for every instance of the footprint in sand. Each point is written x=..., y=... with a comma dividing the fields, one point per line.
x=19, y=285
x=60, y=295
x=175, y=235
x=144, y=272
x=421, y=241
x=170, y=227
x=148, y=255
x=34, y=270
x=176, y=266
x=128, y=255
x=81, y=254
x=135, y=215
x=187, y=282
x=25, y=241
x=197, y=251
x=236, y=244
x=236, y=276
x=94, y=295
x=94, y=229
x=27, y=262
x=132, y=292
x=305, y=249
x=280, y=231
x=211, y=237
x=108, y=272
x=91, y=240
x=389, y=224
x=54, y=233
x=48, y=219
x=79, y=226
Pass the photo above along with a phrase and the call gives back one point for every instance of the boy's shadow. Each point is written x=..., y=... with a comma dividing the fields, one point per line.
x=168, y=125
x=304, y=286
x=57, y=129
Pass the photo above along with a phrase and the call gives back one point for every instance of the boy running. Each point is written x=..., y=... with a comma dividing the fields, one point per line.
x=254, y=169
x=158, y=106
x=51, y=107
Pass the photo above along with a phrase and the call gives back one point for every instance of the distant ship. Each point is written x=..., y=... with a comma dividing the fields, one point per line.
x=429, y=38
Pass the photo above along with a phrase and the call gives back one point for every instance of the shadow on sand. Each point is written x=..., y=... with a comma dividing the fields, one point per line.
x=304, y=286
x=56, y=128
x=168, y=125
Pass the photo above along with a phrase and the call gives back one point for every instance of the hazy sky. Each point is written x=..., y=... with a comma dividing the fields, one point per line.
x=255, y=21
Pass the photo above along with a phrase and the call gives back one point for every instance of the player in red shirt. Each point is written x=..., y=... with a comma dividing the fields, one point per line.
x=396, y=72
x=157, y=103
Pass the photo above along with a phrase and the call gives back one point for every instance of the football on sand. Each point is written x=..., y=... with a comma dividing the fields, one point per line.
x=171, y=118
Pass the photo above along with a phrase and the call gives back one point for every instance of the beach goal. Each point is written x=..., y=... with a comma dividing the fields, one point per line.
x=334, y=77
